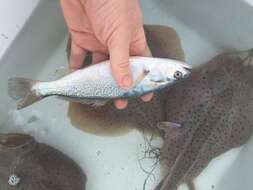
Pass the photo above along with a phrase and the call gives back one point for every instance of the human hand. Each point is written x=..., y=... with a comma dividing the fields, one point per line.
x=107, y=28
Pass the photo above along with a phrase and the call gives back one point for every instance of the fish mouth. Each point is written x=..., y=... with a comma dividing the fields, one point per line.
x=187, y=68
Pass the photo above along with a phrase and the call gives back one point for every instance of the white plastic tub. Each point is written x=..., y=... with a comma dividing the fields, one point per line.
x=37, y=48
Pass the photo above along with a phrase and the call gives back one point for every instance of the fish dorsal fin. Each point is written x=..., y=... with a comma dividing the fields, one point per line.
x=170, y=128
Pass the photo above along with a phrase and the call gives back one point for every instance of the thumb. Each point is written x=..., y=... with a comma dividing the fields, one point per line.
x=119, y=58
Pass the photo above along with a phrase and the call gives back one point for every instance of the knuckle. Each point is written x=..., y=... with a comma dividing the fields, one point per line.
x=139, y=46
x=124, y=64
x=76, y=50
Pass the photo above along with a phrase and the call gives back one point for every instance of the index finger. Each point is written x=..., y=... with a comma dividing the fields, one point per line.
x=77, y=55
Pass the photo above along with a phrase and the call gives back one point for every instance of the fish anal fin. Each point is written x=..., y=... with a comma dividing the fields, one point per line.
x=95, y=103
x=91, y=102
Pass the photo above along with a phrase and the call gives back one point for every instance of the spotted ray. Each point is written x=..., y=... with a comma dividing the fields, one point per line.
x=214, y=109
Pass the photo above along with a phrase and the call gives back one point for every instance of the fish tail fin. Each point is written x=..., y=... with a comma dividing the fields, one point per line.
x=20, y=90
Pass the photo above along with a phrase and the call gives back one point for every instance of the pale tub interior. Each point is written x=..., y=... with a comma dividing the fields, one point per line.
x=111, y=161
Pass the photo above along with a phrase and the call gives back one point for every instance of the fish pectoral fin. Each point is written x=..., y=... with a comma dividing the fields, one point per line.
x=171, y=130
x=156, y=75
x=165, y=124
x=95, y=103
x=139, y=78
x=157, y=79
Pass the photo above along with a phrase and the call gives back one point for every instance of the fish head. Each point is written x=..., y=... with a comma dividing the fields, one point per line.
x=166, y=73
x=177, y=71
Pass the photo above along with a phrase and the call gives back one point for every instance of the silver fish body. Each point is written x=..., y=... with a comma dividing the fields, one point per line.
x=95, y=83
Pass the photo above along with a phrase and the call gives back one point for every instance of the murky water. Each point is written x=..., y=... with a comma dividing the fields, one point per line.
x=107, y=143
x=90, y=121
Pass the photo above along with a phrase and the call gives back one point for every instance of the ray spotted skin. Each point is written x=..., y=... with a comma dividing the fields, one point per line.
x=214, y=107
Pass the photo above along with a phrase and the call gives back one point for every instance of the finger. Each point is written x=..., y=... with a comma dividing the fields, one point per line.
x=98, y=57
x=140, y=48
x=147, y=52
x=119, y=58
x=139, y=45
x=74, y=15
x=77, y=56
x=147, y=97
x=120, y=104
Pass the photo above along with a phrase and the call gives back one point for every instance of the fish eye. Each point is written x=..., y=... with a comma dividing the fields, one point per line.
x=178, y=75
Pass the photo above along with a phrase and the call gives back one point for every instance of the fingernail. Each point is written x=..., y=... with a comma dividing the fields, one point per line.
x=126, y=81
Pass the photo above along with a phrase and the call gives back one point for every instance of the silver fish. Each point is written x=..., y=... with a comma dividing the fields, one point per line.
x=95, y=85
x=208, y=114
x=163, y=42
